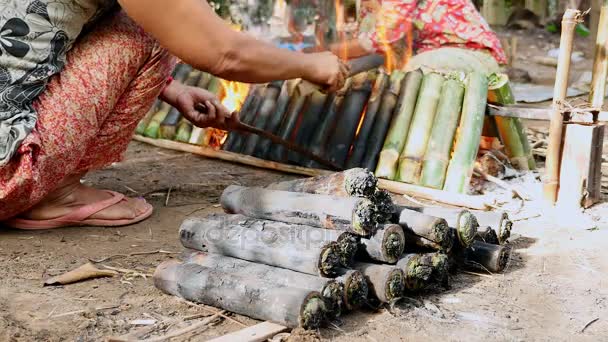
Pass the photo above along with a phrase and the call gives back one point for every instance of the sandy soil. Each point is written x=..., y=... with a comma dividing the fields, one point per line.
x=554, y=287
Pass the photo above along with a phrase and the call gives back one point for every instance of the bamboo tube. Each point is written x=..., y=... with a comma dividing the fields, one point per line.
x=244, y=116
x=468, y=137
x=410, y=160
x=385, y=245
x=381, y=125
x=600, y=62
x=487, y=257
x=287, y=306
x=322, y=134
x=352, y=107
x=296, y=104
x=369, y=117
x=495, y=12
x=311, y=115
x=143, y=123
x=424, y=230
x=356, y=215
x=332, y=290
x=263, y=147
x=355, y=289
x=400, y=126
x=250, y=116
x=386, y=283
x=423, y=269
x=488, y=235
x=355, y=182
x=510, y=130
x=437, y=155
x=153, y=127
x=266, y=109
x=262, y=242
x=184, y=130
x=384, y=205
x=551, y=177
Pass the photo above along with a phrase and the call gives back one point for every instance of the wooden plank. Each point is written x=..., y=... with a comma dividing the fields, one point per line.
x=531, y=113
x=257, y=333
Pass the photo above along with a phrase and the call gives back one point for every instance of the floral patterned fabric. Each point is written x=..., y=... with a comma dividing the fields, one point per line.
x=433, y=23
x=34, y=39
x=88, y=112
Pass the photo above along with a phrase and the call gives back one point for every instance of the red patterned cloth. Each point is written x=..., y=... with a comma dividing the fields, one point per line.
x=88, y=112
x=434, y=24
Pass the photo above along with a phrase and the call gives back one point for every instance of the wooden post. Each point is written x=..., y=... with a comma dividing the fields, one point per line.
x=551, y=177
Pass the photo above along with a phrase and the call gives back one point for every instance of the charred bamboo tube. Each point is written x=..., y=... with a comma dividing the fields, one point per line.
x=153, y=127
x=322, y=134
x=355, y=182
x=384, y=205
x=385, y=245
x=381, y=125
x=274, y=123
x=266, y=109
x=463, y=221
x=400, y=126
x=292, y=307
x=356, y=215
x=423, y=270
x=296, y=104
x=143, y=123
x=510, y=130
x=233, y=136
x=386, y=283
x=468, y=136
x=250, y=116
x=258, y=241
x=488, y=235
x=438, y=150
x=311, y=116
x=355, y=289
x=184, y=130
x=371, y=112
x=332, y=290
x=425, y=231
x=488, y=257
x=410, y=161
x=350, y=113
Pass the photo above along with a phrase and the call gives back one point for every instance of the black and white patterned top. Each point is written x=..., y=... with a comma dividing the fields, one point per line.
x=34, y=39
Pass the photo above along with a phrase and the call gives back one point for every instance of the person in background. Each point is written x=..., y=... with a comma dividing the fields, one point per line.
x=76, y=76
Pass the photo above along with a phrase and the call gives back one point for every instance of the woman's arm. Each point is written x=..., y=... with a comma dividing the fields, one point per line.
x=193, y=32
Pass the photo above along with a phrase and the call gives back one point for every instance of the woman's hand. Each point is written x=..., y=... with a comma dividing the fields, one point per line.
x=185, y=99
x=327, y=69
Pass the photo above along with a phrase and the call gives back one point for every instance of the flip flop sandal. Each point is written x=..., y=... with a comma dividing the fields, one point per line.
x=80, y=216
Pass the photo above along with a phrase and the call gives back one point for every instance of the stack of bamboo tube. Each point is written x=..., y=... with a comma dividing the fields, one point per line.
x=302, y=252
x=422, y=129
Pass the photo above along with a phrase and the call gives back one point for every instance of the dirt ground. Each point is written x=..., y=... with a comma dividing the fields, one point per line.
x=555, y=288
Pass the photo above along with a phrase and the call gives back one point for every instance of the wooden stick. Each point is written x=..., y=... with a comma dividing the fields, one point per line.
x=551, y=178
x=532, y=113
x=386, y=283
x=288, y=306
x=355, y=215
x=263, y=241
x=600, y=62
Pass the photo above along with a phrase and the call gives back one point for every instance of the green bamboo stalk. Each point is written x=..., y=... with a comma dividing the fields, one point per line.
x=203, y=82
x=400, y=125
x=143, y=123
x=410, y=161
x=153, y=127
x=468, y=137
x=437, y=154
x=510, y=130
x=184, y=130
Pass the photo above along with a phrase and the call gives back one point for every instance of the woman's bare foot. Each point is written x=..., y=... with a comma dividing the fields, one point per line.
x=71, y=195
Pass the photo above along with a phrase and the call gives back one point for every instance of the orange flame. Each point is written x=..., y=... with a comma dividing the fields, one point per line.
x=232, y=96
x=389, y=63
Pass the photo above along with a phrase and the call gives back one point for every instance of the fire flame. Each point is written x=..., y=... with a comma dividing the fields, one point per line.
x=389, y=64
x=232, y=96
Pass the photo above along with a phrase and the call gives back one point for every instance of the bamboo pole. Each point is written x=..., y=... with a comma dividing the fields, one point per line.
x=400, y=126
x=296, y=104
x=261, y=241
x=245, y=109
x=266, y=109
x=385, y=245
x=151, y=130
x=355, y=182
x=287, y=306
x=355, y=289
x=437, y=155
x=410, y=161
x=184, y=130
x=309, y=121
x=552, y=164
x=369, y=117
x=468, y=136
x=386, y=283
x=143, y=123
x=425, y=231
x=381, y=125
x=495, y=12
x=263, y=148
x=487, y=257
x=355, y=215
x=422, y=270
